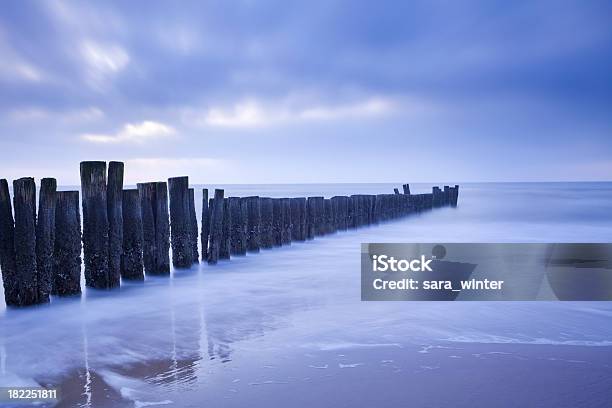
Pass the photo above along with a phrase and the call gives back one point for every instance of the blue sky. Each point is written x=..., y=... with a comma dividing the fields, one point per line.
x=317, y=91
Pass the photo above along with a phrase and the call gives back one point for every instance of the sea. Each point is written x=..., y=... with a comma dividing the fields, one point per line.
x=286, y=327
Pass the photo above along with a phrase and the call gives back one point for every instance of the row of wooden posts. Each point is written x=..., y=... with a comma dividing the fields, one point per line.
x=128, y=232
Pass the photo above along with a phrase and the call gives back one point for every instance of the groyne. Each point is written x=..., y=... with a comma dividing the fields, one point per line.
x=127, y=234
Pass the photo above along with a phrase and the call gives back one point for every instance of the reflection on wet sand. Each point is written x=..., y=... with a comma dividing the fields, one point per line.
x=197, y=336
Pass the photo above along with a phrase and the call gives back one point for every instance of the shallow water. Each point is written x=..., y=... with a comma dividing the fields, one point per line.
x=287, y=327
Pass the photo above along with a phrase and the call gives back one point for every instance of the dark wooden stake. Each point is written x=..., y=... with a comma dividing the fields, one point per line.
x=45, y=237
x=287, y=223
x=24, y=203
x=205, y=224
x=298, y=219
x=224, y=249
x=7, y=247
x=67, y=249
x=267, y=221
x=156, y=227
x=193, y=231
x=114, y=198
x=237, y=227
x=253, y=224
x=277, y=221
x=95, y=224
x=131, y=257
x=180, y=224
x=216, y=227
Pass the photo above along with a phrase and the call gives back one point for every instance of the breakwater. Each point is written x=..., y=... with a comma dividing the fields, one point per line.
x=128, y=233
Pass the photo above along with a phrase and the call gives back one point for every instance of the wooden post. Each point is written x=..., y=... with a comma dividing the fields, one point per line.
x=162, y=228
x=45, y=237
x=205, y=224
x=277, y=221
x=66, y=278
x=287, y=223
x=7, y=247
x=340, y=207
x=193, y=230
x=224, y=249
x=253, y=224
x=356, y=210
x=95, y=224
x=313, y=217
x=244, y=216
x=298, y=210
x=237, y=227
x=180, y=223
x=24, y=203
x=406, y=188
x=330, y=224
x=114, y=197
x=396, y=191
x=156, y=227
x=267, y=221
x=131, y=256
x=146, y=192
x=216, y=227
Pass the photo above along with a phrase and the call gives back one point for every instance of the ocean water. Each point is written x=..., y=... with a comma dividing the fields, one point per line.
x=286, y=327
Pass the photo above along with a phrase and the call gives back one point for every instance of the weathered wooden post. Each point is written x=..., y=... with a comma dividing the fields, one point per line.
x=455, y=195
x=114, y=198
x=253, y=224
x=224, y=249
x=7, y=247
x=244, y=214
x=237, y=227
x=341, y=208
x=436, y=200
x=371, y=206
x=287, y=223
x=156, y=227
x=446, y=195
x=313, y=217
x=428, y=201
x=298, y=221
x=131, y=256
x=216, y=227
x=193, y=230
x=24, y=203
x=45, y=237
x=330, y=224
x=406, y=188
x=205, y=224
x=146, y=192
x=162, y=228
x=66, y=277
x=95, y=224
x=277, y=221
x=267, y=220
x=356, y=210
x=180, y=223
x=396, y=191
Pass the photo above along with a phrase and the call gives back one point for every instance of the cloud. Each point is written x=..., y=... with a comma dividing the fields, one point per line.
x=252, y=113
x=133, y=133
x=104, y=57
x=102, y=62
